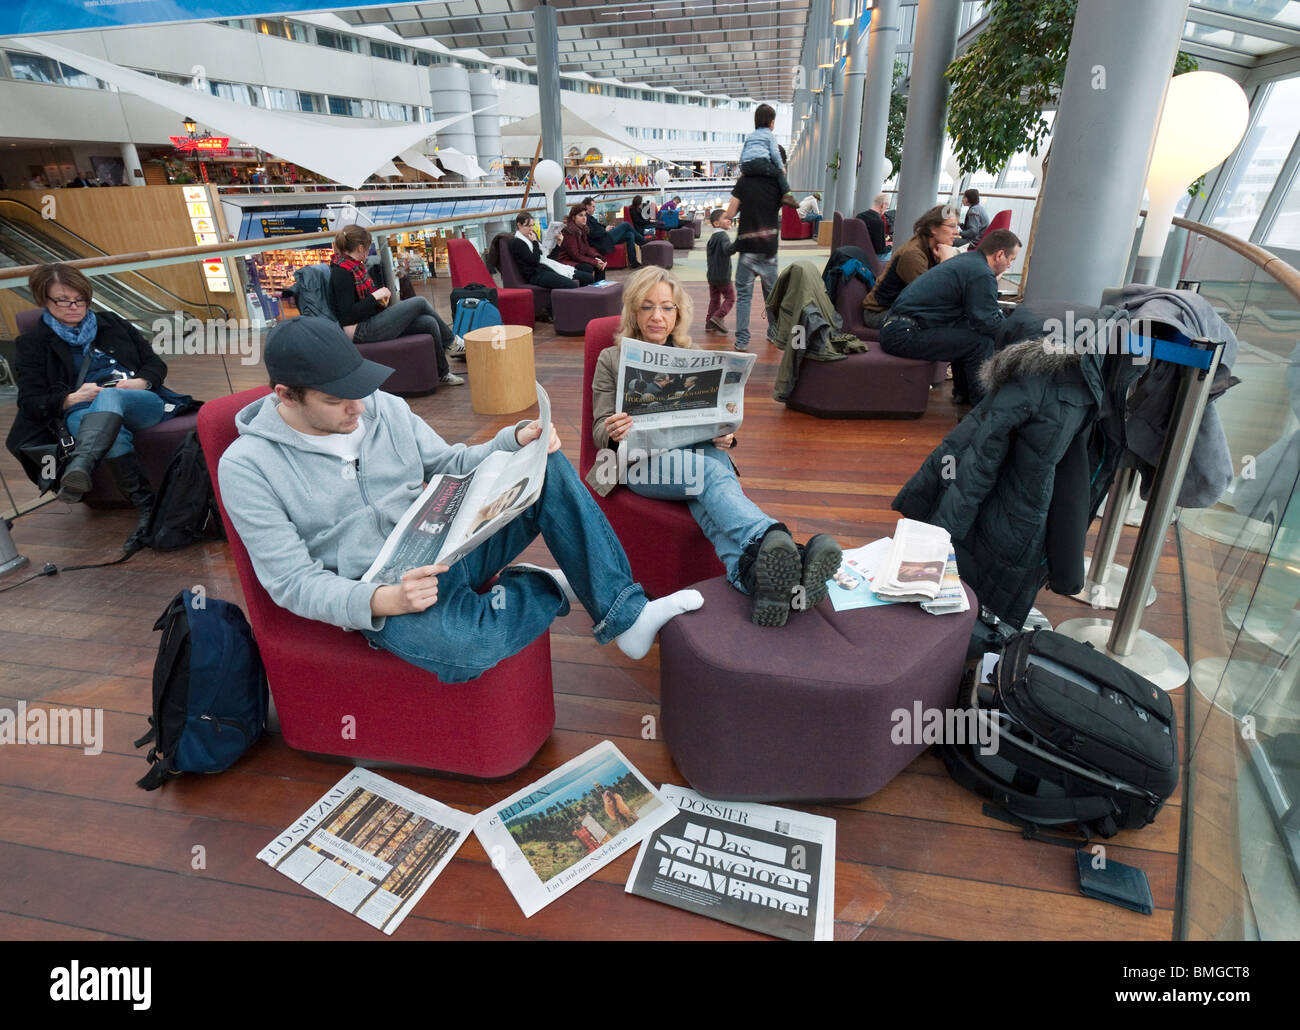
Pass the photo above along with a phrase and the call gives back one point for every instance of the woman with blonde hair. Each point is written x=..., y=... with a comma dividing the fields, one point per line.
x=758, y=553
x=359, y=304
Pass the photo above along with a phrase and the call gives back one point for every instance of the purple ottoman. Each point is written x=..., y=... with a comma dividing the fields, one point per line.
x=415, y=359
x=804, y=712
x=870, y=385
x=154, y=447
x=573, y=309
x=681, y=239
x=657, y=252
x=697, y=226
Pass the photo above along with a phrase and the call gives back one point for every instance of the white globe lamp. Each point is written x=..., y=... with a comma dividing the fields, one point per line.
x=548, y=176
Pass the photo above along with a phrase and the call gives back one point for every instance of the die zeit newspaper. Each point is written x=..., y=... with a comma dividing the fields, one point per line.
x=455, y=514
x=764, y=868
x=679, y=396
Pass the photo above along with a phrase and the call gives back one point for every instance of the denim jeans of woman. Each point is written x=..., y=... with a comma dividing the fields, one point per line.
x=406, y=318
x=706, y=480
x=464, y=633
x=139, y=409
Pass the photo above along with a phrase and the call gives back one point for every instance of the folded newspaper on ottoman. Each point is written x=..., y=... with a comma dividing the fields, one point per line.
x=369, y=846
x=457, y=513
x=764, y=868
x=556, y=832
x=913, y=570
x=679, y=396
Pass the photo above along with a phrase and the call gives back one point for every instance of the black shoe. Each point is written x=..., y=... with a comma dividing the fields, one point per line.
x=821, y=558
x=134, y=485
x=636, y=264
x=769, y=571
x=94, y=437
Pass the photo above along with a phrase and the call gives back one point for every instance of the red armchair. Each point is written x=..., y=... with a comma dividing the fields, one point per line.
x=319, y=675
x=467, y=267
x=664, y=543
x=1002, y=220
x=793, y=227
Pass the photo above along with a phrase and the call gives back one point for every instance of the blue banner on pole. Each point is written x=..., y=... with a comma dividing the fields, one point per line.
x=40, y=17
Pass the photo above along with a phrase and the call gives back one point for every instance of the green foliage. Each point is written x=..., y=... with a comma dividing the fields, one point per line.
x=1002, y=83
x=897, y=122
x=1011, y=72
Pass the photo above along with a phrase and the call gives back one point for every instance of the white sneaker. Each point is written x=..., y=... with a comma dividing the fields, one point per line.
x=457, y=349
x=451, y=379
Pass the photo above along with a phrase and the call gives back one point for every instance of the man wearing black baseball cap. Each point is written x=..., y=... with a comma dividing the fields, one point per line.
x=327, y=464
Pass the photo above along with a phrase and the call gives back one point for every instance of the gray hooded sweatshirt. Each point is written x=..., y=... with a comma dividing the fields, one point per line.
x=313, y=523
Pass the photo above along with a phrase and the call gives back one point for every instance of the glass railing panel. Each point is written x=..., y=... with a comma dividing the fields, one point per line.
x=1241, y=563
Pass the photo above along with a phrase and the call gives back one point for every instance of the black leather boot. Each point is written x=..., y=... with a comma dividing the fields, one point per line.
x=134, y=484
x=769, y=570
x=95, y=436
x=821, y=558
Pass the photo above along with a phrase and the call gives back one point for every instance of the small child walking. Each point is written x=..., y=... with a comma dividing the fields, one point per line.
x=722, y=291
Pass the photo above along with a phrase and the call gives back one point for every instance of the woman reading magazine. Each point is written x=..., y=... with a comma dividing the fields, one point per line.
x=758, y=552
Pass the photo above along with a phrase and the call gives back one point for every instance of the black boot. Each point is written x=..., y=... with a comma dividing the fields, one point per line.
x=821, y=558
x=134, y=484
x=95, y=436
x=769, y=571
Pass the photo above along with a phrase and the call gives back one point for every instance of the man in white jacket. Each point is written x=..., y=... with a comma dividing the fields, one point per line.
x=326, y=465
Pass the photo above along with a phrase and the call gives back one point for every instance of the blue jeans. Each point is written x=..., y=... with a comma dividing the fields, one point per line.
x=961, y=345
x=407, y=318
x=625, y=234
x=706, y=480
x=139, y=409
x=747, y=267
x=465, y=633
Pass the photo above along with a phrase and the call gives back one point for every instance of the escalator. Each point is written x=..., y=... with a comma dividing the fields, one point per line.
x=124, y=294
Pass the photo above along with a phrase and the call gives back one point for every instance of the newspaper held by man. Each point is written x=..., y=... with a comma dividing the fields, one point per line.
x=679, y=396
x=768, y=869
x=557, y=831
x=914, y=568
x=455, y=514
x=370, y=846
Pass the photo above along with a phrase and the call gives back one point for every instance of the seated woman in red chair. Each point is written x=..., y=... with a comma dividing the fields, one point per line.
x=758, y=553
x=536, y=268
x=576, y=250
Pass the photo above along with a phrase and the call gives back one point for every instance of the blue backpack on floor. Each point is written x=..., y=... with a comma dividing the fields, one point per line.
x=474, y=313
x=209, y=690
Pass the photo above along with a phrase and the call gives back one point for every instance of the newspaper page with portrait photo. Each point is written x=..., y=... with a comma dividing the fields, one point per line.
x=763, y=868
x=553, y=834
x=914, y=568
x=455, y=514
x=370, y=846
x=679, y=396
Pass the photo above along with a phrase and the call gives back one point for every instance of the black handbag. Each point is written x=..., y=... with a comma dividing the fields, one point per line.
x=50, y=455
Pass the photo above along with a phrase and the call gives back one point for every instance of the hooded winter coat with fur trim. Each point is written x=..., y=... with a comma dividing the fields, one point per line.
x=991, y=482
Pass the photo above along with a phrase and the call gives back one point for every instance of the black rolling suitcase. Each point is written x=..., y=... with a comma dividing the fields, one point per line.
x=1080, y=739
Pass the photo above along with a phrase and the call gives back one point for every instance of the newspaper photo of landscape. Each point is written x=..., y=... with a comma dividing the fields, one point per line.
x=562, y=828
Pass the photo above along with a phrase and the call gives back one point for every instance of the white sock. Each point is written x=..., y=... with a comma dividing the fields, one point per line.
x=556, y=575
x=635, y=641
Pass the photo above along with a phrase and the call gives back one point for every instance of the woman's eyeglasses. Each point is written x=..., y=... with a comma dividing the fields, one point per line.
x=667, y=309
x=66, y=302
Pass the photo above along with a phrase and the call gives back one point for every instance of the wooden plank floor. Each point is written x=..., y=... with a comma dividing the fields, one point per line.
x=88, y=855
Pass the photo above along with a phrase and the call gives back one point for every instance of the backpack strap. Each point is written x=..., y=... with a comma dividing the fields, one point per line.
x=1095, y=811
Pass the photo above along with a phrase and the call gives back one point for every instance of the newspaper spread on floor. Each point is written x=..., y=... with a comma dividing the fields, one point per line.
x=679, y=396
x=455, y=514
x=553, y=834
x=369, y=846
x=914, y=567
x=764, y=868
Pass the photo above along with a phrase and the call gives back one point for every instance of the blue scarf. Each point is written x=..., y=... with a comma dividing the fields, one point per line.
x=76, y=336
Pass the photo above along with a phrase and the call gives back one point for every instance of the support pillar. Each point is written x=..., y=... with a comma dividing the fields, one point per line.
x=134, y=174
x=855, y=77
x=546, y=39
x=927, y=104
x=882, y=43
x=1121, y=59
